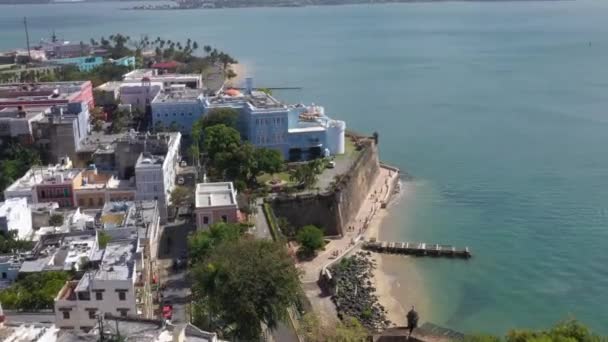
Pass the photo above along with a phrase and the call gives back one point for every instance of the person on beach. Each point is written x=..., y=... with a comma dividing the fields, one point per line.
x=412, y=321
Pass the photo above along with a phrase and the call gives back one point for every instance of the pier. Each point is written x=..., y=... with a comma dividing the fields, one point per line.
x=417, y=249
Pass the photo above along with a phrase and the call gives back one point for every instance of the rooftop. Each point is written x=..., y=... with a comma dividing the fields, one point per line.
x=118, y=261
x=179, y=95
x=28, y=113
x=43, y=175
x=32, y=92
x=61, y=252
x=215, y=194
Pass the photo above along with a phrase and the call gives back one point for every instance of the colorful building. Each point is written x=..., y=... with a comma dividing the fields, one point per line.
x=88, y=63
x=46, y=94
x=177, y=108
x=297, y=131
x=215, y=202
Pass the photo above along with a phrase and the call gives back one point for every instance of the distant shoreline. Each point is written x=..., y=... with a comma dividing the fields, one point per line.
x=253, y=4
x=303, y=3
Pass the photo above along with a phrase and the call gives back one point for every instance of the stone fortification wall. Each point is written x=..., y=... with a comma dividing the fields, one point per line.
x=333, y=209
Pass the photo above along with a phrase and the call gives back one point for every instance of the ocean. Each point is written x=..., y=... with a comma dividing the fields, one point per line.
x=499, y=111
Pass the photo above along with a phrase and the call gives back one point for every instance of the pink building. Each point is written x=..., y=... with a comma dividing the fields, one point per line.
x=46, y=94
x=215, y=202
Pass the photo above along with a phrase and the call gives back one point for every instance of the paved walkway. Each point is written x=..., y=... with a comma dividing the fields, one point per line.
x=381, y=188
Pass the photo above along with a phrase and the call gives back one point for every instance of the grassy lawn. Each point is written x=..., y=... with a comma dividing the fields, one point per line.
x=350, y=150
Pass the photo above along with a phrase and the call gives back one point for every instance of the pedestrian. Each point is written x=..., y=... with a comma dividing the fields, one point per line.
x=412, y=321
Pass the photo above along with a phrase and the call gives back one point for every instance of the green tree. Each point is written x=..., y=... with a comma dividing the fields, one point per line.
x=242, y=284
x=56, y=220
x=182, y=196
x=221, y=139
x=34, y=291
x=202, y=242
x=267, y=160
x=305, y=174
x=565, y=331
x=310, y=239
x=220, y=116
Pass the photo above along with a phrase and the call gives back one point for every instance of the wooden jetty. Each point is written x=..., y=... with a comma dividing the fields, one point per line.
x=417, y=249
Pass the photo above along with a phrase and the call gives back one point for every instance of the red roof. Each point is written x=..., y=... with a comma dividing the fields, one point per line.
x=166, y=65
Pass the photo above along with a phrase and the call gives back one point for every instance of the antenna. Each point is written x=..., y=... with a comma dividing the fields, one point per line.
x=27, y=38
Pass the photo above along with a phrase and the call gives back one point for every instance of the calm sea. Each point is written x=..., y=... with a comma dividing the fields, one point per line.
x=499, y=110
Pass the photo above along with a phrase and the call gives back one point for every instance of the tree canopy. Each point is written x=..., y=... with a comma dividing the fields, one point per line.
x=220, y=116
x=221, y=139
x=202, y=242
x=16, y=161
x=231, y=158
x=242, y=284
x=35, y=291
x=566, y=331
x=182, y=196
x=310, y=239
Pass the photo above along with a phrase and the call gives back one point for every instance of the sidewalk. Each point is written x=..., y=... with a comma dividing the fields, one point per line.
x=379, y=192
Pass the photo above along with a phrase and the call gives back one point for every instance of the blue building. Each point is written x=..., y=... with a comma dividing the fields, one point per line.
x=89, y=63
x=178, y=107
x=297, y=131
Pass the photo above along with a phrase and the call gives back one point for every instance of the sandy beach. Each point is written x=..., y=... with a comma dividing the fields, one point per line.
x=398, y=284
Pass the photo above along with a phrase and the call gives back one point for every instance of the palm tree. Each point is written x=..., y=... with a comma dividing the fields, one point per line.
x=207, y=49
x=194, y=46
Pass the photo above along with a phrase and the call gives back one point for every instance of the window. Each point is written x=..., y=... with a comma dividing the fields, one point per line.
x=42, y=194
x=99, y=295
x=66, y=314
x=224, y=218
x=3, y=275
x=90, y=202
x=66, y=193
x=122, y=312
x=81, y=202
x=100, y=202
x=122, y=295
x=174, y=114
x=205, y=220
x=92, y=313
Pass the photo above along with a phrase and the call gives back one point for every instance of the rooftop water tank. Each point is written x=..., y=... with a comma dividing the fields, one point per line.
x=335, y=136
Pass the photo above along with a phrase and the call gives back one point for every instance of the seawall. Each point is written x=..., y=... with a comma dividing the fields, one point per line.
x=333, y=209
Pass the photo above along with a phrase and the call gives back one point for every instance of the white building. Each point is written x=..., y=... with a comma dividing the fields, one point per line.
x=15, y=215
x=155, y=174
x=194, y=81
x=110, y=289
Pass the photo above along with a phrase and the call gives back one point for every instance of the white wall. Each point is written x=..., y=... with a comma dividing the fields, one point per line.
x=16, y=215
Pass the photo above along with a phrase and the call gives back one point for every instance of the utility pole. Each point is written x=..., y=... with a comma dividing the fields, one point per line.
x=100, y=325
x=27, y=38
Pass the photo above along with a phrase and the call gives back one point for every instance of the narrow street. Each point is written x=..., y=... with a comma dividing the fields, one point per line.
x=173, y=244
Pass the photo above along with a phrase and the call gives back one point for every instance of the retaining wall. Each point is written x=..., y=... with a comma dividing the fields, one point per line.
x=333, y=209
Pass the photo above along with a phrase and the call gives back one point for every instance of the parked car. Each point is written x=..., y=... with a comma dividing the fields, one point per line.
x=331, y=164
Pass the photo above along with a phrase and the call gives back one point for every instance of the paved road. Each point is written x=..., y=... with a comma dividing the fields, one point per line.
x=174, y=244
x=261, y=229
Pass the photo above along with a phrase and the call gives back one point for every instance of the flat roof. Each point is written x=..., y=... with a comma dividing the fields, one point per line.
x=179, y=95
x=215, y=194
x=117, y=262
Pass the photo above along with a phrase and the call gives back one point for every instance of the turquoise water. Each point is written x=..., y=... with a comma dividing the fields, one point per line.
x=499, y=110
